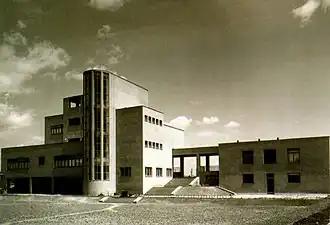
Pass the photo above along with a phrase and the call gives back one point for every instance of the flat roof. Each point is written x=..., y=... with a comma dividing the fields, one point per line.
x=279, y=139
x=74, y=96
x=54, y=115
x=117, y=75
x=140, y=106
x=167, y=125
x=43, y=145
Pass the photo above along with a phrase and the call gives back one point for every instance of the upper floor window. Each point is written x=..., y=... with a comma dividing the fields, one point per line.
x=56, y=129
x=270, y=156
x=293, y=155
x=153, y=120
x=74, y=102
x=247, y=157
x=74, y=121
x=18, y=163
x=74, y=139
x=41, y=160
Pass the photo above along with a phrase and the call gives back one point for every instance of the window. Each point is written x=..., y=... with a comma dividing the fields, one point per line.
x=146, y=144
x=18, y=163
x=105, y=171
x=41, y=160
x=150, y=146
x=97, y=171
x=293, y=177
x=74, y=139
x=270, y=156
x=160, y=123
x=148, y=171
x=125, y=171
x=153, y=120
x=74, y=102
x=153, y=145
x=56, y=129
x=146, y=118
x=74, y=121
x=248, y=179
x=157, y=121
x=294, y=155
x=168, y=172
x=157, y=145
x=161, y=146
x=149, y=119
x=159, y=172
x=247, y=157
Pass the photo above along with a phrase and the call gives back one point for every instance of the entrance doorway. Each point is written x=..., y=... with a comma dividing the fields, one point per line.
x=270, y=183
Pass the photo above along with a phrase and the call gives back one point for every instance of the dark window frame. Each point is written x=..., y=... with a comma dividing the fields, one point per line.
x=248, y=178
x=294, y=178
x=41, y=160
x=147, y=170
x=268, y=160
x=247, y=157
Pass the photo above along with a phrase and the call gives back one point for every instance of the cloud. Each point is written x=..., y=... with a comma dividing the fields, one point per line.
x=15, y=68
x=208, y=120
x=104, y=32
x=12, y=119
x=306, y=11
x=207, y=134
x=73, y=75
x=21, y=25
x=232, y=124
x=181, y=122
x=110, y=5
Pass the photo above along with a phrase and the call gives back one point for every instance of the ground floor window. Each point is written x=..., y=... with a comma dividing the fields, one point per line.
x=148, y=171
x=248, y=178
x=168, y=172
x=125, y=171
x=293, y=177
x=159, y=172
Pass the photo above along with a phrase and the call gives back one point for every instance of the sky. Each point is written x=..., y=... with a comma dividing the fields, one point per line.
x=221, y=70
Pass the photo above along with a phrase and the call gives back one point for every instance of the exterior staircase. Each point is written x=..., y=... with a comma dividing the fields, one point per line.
x=170, y=186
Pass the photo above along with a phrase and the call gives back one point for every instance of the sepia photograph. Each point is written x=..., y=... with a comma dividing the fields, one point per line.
x=165, y=112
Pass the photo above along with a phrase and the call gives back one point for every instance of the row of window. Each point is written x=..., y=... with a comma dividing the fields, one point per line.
x=248, y=178
x=58, y=129
x=59, y=161
x=154, y=145
x=97, y=172
x=293, y=155
x=153, y=120
x=127, y=172
x=64, y=163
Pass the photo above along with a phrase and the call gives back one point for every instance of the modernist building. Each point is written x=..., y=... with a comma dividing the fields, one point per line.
x=281, y=165
x=106, y=141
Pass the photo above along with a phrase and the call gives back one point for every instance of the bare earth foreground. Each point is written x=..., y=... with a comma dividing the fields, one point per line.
x=59, y=210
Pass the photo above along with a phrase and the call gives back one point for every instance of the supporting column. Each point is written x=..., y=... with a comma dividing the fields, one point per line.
x=198, y=165
x=30, y=185
x=53, y=185
x=207, y=169
x=182, y=166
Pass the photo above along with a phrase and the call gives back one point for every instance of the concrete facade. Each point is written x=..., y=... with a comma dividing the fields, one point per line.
x=34, y=169
x=106, y=136
x=313, y=165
